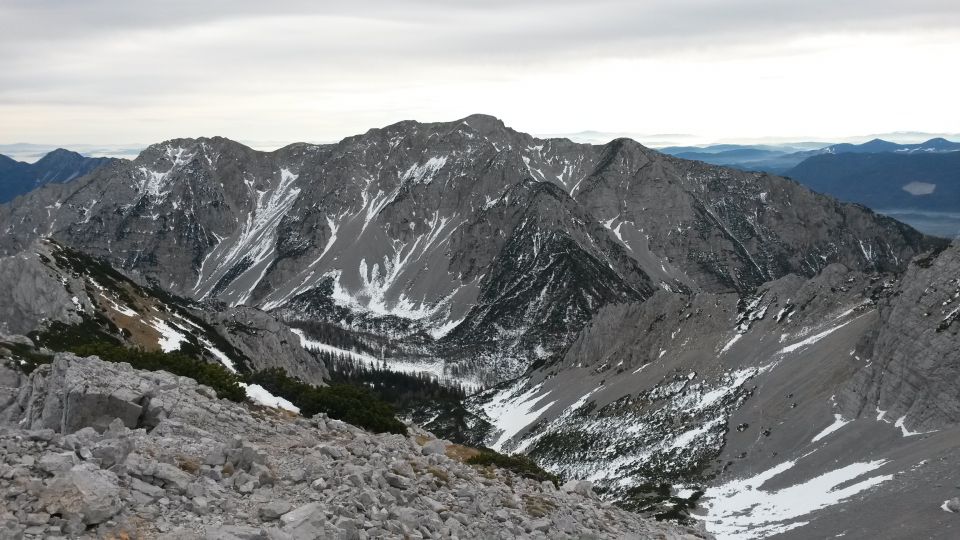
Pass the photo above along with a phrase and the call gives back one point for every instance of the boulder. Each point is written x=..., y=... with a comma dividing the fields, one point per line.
x=953, y=505
x=435, y=446
x=580, y=487
x=84, y=491
x=274, y=509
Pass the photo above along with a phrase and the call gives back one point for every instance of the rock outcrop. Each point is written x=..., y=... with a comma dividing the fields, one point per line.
x=913, y=377
x=91, y=448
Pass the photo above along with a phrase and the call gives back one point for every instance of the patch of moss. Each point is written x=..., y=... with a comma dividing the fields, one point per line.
x=517, y=464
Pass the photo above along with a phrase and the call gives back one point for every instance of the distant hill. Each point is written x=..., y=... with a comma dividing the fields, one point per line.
x=777, y=159
x=919, y=186
x=59, y=166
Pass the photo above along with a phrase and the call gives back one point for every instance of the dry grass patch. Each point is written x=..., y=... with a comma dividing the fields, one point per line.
x=439, y=474
x=461, y=453
x=188, y=464
x=537, y=506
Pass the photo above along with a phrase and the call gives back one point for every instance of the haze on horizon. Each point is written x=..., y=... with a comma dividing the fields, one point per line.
x=693, y=71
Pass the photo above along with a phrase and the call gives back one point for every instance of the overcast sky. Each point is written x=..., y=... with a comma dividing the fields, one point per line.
x=105, y=71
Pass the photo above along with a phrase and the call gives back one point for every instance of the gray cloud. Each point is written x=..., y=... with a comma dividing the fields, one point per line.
x=180, y=53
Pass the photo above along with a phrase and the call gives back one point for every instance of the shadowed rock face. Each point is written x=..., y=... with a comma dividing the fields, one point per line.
x=490, y=240
x=915, y=368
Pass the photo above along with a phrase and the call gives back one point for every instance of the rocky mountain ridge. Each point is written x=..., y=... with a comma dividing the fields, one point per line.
x=57, y=294
x=93, y=449
x=433, y=230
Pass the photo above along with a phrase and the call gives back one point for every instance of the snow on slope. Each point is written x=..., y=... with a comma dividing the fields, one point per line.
x=743, y=509
x=262, y=396
x=254, y=245
x=510, y=412
x=432, y=367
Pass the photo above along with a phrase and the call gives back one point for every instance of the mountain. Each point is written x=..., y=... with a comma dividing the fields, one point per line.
x=934, y=145
x=464, y=244
x=914, y=182
x=700, y=343
x=812, y=407
x=58, y=166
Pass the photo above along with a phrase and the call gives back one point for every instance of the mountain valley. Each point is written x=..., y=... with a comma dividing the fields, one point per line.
x=700, y=344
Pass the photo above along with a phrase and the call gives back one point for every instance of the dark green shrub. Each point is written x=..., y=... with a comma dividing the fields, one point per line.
x=517, y=464
x=353, y=404
x=26, y=358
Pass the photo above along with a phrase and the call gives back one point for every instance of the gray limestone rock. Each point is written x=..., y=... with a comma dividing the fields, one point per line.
x=435, y=446
x=159, y=479
x=84, y=491
x=273, y=510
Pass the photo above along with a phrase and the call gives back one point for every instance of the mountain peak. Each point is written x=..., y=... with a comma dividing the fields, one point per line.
x=484, y=123
x=60, y=154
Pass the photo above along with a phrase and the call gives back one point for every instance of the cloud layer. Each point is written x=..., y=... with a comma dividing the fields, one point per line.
x=112, y=71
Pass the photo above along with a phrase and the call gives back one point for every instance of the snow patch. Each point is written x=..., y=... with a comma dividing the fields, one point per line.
x=261, y=396
x=510, y=413
x=838, y=423
x=812, y=339
x=901, y=423
x=423, y=174
x=170, y=338
x=220, y=355
x=742, y=509
x=730, y=343
x=444, y=329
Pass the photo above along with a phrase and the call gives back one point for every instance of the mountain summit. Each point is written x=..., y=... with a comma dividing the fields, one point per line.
x=58, y=166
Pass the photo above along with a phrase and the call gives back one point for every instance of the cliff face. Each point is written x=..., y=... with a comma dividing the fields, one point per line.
x=915, y=362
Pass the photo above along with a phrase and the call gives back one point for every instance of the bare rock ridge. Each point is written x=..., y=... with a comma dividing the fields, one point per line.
x=96, y=449
x=50, y=286
x=435, y=228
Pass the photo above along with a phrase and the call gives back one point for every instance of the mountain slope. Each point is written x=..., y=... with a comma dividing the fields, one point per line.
x=63, y=298
x=58, y=166
x=800, y=410
x=432, y=232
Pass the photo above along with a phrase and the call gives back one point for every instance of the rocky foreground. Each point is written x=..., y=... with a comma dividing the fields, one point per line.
x=95, y=449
